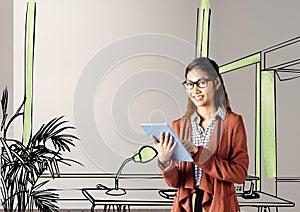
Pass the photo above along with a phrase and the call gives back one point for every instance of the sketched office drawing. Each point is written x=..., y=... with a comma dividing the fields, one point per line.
x=118, y=190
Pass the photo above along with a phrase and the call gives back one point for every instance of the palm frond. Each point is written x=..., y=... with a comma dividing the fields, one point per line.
x=56, y=167
x=14, y=141
x=68, y=137
x=17, y=114
x=46, y=129
x=45, y=200
x=55, y=132
x=22, y=165
x=63, y=142
x=4, y=192
x=4, y=117
x=17, y=156
x=4, y=102
x=50, y=132
x=21, y=106
x=70, y=160
x=39, y=185
x=11, y=195
x=7, y=150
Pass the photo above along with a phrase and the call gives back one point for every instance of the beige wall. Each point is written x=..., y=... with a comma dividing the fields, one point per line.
x=86, y=59
x=6, y=48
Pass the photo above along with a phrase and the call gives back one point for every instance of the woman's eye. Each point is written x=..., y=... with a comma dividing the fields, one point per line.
x=201, y=83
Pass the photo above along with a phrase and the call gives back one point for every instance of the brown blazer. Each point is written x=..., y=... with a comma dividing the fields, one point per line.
x=222, y=164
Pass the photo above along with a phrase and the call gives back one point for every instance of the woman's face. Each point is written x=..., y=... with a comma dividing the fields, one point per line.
x=201, y=97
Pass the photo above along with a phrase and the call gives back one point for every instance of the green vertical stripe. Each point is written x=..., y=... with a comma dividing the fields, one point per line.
x=246, y=61
x=28, y=72
x=203, y=29
x=268, y=136
x=257, y=127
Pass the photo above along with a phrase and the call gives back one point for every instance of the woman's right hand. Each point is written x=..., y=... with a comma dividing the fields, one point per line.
x=190, y=146
x=165, y=147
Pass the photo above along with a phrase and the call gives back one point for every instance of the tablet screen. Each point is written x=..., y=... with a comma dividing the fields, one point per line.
x=180, y=153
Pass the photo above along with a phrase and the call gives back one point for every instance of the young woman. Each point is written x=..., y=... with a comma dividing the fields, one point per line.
x=216, y=139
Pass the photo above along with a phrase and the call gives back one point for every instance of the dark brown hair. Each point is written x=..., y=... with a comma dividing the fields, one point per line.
x=212, y=69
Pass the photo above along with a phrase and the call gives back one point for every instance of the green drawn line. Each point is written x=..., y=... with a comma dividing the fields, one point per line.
x=203, y=29
x=268, y=135
x=257, y=128
x=246, y=61
x=28, y=72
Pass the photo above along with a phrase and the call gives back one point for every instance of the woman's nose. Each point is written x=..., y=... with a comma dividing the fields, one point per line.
x=196, y=88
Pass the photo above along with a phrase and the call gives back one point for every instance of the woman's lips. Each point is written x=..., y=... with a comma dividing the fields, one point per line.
x=198, y=97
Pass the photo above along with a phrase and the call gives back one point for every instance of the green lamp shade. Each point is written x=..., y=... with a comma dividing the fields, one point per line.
x=145, y=154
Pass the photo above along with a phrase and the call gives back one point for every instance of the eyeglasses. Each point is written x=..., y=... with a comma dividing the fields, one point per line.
x=201, y=83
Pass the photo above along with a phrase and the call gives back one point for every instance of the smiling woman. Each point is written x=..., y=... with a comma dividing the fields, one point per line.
x=202, y=71
x=215, y=138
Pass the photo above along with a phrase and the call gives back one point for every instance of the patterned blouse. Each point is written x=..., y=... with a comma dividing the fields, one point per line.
x=201, y=137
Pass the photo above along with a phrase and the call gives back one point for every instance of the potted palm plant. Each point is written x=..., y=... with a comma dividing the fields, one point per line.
x=23, y=165
x=25, y=160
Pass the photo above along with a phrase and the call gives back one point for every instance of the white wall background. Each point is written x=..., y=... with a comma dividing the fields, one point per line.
x=92, y=62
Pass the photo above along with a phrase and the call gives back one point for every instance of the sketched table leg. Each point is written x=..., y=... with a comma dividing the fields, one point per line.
x=264, y=209
x=114, y=208
x=93, y=208
x=124, y=208
x=105, y=208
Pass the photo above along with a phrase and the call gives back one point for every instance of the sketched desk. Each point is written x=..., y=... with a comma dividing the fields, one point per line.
x=133, y=197
x=265, y=202
x=151, y=197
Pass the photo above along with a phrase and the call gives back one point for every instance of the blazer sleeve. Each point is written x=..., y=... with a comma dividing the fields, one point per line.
x=234, y=169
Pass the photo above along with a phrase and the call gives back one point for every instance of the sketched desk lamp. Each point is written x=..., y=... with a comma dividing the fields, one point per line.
x=143, y=155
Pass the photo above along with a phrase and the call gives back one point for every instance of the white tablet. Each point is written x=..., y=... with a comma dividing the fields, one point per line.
x=180, y=153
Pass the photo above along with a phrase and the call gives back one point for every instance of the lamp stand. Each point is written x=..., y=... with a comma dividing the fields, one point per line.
x=116, y=191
